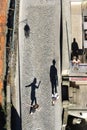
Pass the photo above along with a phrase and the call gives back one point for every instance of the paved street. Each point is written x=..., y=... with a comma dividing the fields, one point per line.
x=36, y=55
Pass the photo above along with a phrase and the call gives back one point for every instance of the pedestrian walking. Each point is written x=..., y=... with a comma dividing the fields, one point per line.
x=75, y=63
x=53, y=78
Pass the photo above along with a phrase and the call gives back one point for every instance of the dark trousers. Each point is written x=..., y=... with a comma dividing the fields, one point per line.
x=54, y=86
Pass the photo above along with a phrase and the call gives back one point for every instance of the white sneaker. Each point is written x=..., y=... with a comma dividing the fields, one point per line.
x=57, y=97
x=31, y=113
x=56, y=94
x=53, y=95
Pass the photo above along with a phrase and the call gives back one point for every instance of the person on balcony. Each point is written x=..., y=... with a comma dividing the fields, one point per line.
x=74, y=49
x=75, y=63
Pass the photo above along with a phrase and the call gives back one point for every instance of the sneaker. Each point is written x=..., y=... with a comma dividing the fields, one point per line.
x=31, y=113
x=57, y=97
x=31, y=105
x=53, y=103
x=53, y=95
x=36, y=106
x=56, y=94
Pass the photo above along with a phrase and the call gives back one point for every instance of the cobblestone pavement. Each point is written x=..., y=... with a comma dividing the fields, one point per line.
x=36, y=54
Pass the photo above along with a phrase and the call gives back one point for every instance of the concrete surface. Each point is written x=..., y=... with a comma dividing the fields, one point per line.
x=36, y=55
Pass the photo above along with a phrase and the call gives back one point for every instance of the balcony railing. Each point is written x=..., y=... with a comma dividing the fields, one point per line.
x=78, y=68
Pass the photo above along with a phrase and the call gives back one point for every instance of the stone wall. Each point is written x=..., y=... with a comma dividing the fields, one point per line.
x=66, y=33
x=76, y=17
